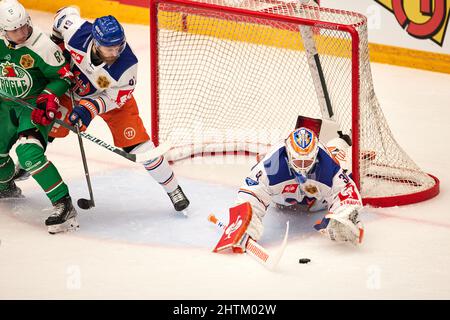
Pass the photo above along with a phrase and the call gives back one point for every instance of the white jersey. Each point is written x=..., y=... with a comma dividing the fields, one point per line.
x=110, y=86
x=271, y=180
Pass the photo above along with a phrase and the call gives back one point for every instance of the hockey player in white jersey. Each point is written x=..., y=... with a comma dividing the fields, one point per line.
x=105, y=70
x=301, y=172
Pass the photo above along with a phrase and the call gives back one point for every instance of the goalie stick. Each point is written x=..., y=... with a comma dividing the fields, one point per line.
x=259, y=253
x=139, y=158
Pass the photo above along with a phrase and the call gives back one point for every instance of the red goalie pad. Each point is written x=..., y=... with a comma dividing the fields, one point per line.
x=240, y=217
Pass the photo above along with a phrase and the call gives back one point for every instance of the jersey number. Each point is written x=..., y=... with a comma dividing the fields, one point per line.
x=58, y=56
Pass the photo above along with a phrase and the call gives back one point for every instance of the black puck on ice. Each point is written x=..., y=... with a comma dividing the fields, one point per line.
x=304, y=260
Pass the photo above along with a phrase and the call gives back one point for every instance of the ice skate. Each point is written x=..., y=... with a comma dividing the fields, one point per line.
x=179, y=200
x=20, y=174
x=63, y=217
x=12, y=192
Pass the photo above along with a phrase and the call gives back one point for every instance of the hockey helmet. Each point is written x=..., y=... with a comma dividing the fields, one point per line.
x=108, y=32
x=12, y=16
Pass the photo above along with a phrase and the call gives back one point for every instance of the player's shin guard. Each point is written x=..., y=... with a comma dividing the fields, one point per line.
x=31, y=157
x=158, y=168
x=161, y=171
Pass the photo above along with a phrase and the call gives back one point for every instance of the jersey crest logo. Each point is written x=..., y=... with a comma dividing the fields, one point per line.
x=16, y=81
x=290, y=188
x=27, y=61
x=103, y=82
x=80, y=87
x=8, y=70
x=311, y=189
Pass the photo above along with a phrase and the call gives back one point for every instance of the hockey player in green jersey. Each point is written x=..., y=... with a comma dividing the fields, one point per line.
x=32, y=68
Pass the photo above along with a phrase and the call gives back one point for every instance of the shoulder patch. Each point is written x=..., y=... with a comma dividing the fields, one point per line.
x=27, y=61
x=103, y=82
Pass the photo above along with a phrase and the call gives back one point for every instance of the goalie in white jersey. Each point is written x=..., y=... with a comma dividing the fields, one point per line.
x=301, y=172
x=105, y=72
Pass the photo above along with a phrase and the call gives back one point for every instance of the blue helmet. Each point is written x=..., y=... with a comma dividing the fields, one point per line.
x=108, y=32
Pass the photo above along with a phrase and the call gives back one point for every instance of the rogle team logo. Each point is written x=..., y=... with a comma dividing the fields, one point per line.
x=15, y=80
x=422, y=19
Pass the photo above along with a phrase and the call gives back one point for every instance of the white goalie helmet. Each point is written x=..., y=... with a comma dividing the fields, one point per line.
x=12, y=16
x=302, y=146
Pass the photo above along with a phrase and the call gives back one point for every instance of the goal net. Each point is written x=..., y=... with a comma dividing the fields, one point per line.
x=231, y=76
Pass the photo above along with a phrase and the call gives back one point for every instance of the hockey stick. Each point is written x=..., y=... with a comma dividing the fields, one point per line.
x=315, y=67
x=259, y=253
x=317, y=75
x=84, y=204
x=139, y=158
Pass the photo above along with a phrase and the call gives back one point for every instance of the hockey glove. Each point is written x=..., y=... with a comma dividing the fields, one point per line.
x=47, y=109
x=342, y=226
x=83, y=113
x=235, y=235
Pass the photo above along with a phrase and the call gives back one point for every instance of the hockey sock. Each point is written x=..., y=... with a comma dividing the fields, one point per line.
x=161, y=171
x=6, y=171
x=31, y=157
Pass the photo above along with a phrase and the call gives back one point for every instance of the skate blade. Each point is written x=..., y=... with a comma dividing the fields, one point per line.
x=68, y=226
x=182, y=213
x=22, y=177
x=185, y=213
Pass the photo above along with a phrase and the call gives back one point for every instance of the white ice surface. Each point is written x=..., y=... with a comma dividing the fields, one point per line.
x=133, y=245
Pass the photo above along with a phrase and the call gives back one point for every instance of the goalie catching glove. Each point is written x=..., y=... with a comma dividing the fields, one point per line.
x=342, y=226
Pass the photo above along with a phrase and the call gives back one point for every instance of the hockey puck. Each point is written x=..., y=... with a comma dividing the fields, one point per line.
x=304, y=260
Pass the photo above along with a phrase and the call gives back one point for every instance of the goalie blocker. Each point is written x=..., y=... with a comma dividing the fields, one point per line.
x=234, y=235
x=236, y=238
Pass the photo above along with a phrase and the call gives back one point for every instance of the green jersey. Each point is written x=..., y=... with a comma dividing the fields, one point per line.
x=31, y=67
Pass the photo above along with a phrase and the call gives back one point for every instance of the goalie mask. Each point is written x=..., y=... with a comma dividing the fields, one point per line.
x=302, y=148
